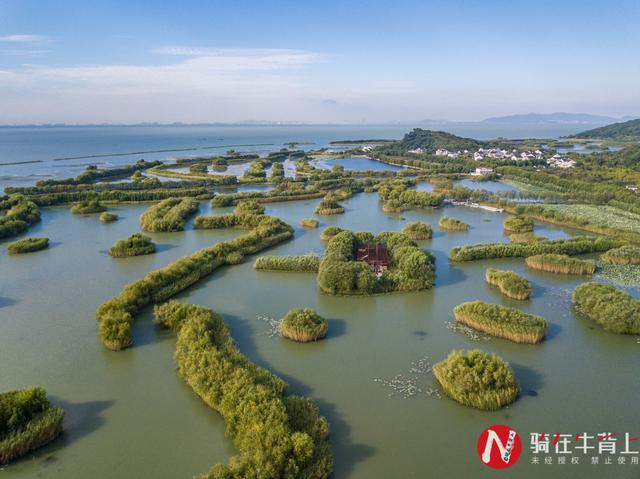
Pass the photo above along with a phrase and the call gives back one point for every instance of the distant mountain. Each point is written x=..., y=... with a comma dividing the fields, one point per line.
x=430, y=141
x=617, y=131
x=553, y=118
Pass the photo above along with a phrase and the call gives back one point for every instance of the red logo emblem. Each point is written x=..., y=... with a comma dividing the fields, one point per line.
x=499, y=446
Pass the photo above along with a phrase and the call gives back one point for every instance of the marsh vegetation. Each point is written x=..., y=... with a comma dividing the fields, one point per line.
x=134, y=245
x=27, y=245
x=27, y=422
x=477, y=379
x=610, y=307
x=509, y=283
x=303, y=325
x=502, y=321
x=560, y=263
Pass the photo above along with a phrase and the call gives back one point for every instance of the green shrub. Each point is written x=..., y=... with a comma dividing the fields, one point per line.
x=570, y=246
x=613, y=309
x=20, y=214
x=288, y=263
x=134, y=245
x=330, y=232
x=418, y=231
x=28, y=245
x=518, y=224
x=106, y=217
x=329, y=207
x=168, y=215
x=477, y=379
x=88, y=207
x=277, y=436
x=502, y=321
x=452, y=224
x=309, y=223
x=509, y=283
x=560, y=263
x=27, y=422
x=303, y=325
x=116, y=315
x=249, y=207
x=627, y=254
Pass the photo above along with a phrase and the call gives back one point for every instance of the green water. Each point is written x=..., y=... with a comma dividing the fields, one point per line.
x=130, y=415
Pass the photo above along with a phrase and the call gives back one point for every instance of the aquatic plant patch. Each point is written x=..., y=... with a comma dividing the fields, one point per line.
x=277, y=435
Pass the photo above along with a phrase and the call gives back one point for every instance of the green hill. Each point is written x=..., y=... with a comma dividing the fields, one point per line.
x=431, y=140
x=626, y=130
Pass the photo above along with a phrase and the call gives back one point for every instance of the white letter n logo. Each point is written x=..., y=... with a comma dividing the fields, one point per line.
x=505, y=449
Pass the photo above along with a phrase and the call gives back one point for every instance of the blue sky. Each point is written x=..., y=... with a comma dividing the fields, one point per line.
x=315, y=61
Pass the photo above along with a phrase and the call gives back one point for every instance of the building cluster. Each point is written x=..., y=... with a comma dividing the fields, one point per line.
x=509, y=155
x=482, y=171
x=560, y=161
x=556, y=161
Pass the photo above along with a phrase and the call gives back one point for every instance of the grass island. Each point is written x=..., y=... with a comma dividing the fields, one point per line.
x=303, y=325
x=477, y=379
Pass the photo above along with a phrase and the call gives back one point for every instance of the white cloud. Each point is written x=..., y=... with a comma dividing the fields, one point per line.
x=193, y=84
x=23, y=38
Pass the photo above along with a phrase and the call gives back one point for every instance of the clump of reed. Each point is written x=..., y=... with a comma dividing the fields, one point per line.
x=27, y=422
x=88, y=207
x=393, y=206
x=560, y=263
x=418, y=231
x=509, y=283
x=303, y=325
x=330, y=232
x=477, y=379
x=17, y=214
x=309, y=223
x=198, y=168
x=338, y=195
x=277, y=435
x=572, y=246
x=28, y=245
x=168, y=215
x=309, y=263
x=107, y=217
x=116, y=315
x=248, y=207
x=452, y=224
x=527, y=237
x=134, y=245
x=610, y=307
x=329, y=207
x=502, y=321
x=627, y=254
x=518, y=224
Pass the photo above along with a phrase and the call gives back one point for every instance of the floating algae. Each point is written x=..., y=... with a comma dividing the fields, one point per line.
x=409, y=385
x=620, y=274
x=273, y=325
x=458, y=327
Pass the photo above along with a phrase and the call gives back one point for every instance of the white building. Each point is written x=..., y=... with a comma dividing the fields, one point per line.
x=482, y=171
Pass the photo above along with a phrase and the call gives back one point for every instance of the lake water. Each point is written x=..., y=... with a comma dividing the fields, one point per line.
x=355, y=164
x=61, y=152
x=130, y=415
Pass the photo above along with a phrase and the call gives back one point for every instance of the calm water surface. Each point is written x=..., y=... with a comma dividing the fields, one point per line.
x=129, y=415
